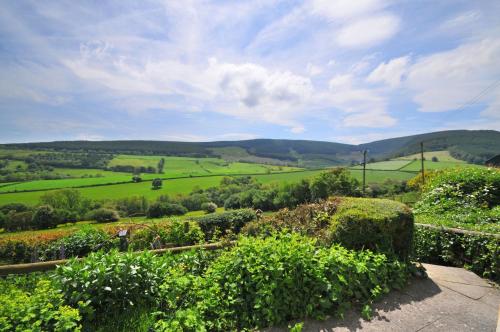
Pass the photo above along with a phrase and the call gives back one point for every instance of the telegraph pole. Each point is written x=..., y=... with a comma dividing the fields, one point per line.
x=364, y=171
x=422, y=159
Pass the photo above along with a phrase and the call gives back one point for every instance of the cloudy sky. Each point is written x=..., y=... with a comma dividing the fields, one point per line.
x=335, y=70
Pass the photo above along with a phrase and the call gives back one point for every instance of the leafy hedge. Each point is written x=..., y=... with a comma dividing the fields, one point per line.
x=224, y=222
x=376, y=224
x=476, y=252
x=356, y=223
x=270, y=281
x=41, y=308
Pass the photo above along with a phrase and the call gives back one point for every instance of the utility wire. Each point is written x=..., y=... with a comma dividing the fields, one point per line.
x=479, y=95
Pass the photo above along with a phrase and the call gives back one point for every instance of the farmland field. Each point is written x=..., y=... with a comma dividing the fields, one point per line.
x=387, y=165
x=186, y=185
x=416, y=165
x=441, y=155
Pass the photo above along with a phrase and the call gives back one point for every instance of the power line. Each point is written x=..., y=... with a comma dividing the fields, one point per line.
x=479, y=95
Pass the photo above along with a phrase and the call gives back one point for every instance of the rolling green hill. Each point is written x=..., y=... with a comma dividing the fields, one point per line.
x=474, y=146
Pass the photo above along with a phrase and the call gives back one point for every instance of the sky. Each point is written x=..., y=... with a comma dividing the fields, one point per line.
x=350, y=71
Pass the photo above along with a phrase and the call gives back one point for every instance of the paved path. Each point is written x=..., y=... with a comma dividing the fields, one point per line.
x=452, y=299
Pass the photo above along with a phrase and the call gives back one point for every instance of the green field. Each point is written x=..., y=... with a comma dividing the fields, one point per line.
x=441, y=155
x=175, y=167
x=387, y=165
x=416, y=165
x=186, y=185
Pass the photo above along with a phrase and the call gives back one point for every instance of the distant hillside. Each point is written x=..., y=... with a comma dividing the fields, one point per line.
x=470, y=145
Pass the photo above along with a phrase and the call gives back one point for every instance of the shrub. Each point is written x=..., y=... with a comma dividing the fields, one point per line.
x=113, y=280
x=476, y=252
x=209, y=207
x=232, y=202
x=376, y=224
x=2, y=220
x=131, y=206
x=16, y=221
x=194, y=201
x=223, y=222
x=16, y=207
x=160, y=209
x=64, y=215
x=335, y=182
x=80, y=243
x=104, y=215
x=45, y=217
x=271, y=281
x=41, y=309
x=172, y=232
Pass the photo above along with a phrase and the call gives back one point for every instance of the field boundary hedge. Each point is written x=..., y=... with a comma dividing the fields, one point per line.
x=26, y=268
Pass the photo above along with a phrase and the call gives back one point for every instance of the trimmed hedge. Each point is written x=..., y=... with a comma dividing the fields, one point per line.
x=477, y=252
x=375, y=224
x=356, y=223
x=223, y=222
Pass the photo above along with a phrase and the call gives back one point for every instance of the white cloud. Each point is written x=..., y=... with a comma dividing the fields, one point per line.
x=390, y=73
x=447, y=80
x=364, y=107
x=368, y=31
x=345, y=9
x=313, y=70
x=462, y=20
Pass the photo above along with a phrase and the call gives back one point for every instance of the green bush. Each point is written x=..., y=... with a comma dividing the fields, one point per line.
x=18, y=221
x=104, y=215
x=209, y=207
x=80, y=243
x=41, y=309
x=16, y=207
x=160, y=209
x=2, y=220
x=223, y=222
x=476, y=252
x=45, y=217
x=375, y=224
x=113, y=280
x=271, y=281
x=176, y=232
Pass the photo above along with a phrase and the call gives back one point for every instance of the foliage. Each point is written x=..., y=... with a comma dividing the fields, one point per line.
x=479, y=253
x=45, y=217
x=80, y=243
x=270, y=281
x=174, y=232
x=335, y=182
x=209, y=207
x=464, y=198
x=132, y=206
x=41, y=309
x=375, y=224
x=160, y=209
x=104, y=215
x=112, y=280
x=223, y=222
x=156, y=184
x=68, y=199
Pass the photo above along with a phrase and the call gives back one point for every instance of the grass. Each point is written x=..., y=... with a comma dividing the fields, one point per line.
x=441, y=155
x=186, y=185
x=386, y=165
x=416, y=165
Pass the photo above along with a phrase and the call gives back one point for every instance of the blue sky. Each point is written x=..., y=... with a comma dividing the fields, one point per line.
x=332, y=70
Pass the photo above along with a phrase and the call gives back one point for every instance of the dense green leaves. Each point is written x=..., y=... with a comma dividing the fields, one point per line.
x=479, y=253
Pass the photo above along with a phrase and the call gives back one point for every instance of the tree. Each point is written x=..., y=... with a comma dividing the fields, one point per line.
x=335, y=182
x=161, y=165
x=209, y=207
x=157, y=183
x=136, y=178
x=45, y=217
x=435, y=159
x=104, y=215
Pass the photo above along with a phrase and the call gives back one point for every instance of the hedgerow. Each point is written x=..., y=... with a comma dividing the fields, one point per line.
x=476, y=252
x=223, y=222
